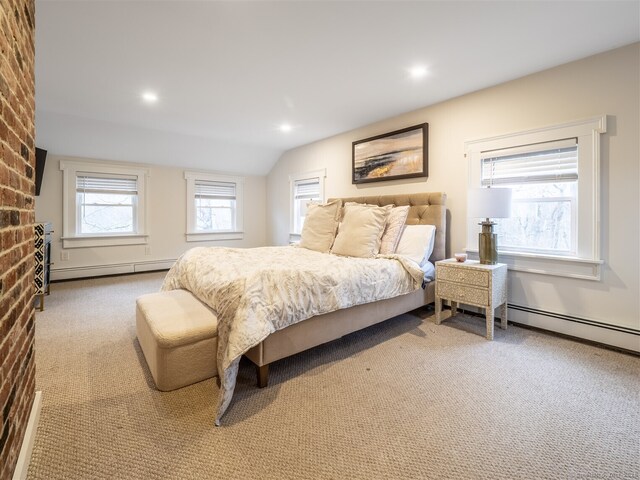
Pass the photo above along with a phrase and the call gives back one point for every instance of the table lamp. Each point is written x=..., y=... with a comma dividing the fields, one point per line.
x=489, y=203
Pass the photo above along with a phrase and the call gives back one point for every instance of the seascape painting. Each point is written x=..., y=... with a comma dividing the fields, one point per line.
x=399, y=154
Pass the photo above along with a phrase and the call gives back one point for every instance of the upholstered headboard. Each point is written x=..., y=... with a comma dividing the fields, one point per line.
x=426, y=209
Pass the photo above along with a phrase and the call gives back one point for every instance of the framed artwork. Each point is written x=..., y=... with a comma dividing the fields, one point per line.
x=394, y=155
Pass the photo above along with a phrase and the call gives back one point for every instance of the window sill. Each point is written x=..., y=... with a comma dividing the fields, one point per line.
x=86, y=241
x=213, y=236
x=571, y=267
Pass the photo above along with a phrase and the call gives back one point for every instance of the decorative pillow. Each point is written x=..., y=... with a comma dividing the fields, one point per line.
x=350, y=204
x=361, y=230
x=416, y=242
x=393, y=229
x=320, y=224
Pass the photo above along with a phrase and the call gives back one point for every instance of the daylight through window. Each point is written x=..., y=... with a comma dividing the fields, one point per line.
x=544, y=180
x=106, y=204
x=215, y=204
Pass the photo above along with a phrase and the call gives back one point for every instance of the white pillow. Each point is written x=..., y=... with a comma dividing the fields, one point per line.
x=393, y=229
x=320, y=224
x=416, y=242
x=361, y=230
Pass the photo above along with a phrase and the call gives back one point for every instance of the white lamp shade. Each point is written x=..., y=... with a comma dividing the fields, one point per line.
x=489, y=203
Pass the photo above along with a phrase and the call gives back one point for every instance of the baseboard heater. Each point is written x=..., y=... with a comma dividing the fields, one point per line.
x=112, y=269
x=619, y=336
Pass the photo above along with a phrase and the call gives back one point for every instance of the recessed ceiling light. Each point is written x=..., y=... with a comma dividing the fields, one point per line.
x=150, y=97
x=285, y=127
x=418, y=71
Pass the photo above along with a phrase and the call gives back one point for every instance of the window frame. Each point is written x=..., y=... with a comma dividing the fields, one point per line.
x=195, y=235
x=586, y=263
x=297, y=177
x=70, y=214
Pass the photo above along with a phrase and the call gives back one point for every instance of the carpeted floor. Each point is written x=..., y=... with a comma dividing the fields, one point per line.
x=406, y=399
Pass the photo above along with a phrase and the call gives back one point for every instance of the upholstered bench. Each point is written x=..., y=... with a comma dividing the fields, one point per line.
x=179, y=338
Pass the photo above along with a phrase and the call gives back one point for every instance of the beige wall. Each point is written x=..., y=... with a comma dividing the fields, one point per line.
x=166, y=220
x=603, y=84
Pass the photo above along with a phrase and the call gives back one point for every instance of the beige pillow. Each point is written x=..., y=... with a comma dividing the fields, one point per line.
x=393, y=229
x=361, y=230
x=346, y=204
x=320, y=226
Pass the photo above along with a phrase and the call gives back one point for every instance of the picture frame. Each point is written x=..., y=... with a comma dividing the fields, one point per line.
x=391, y=156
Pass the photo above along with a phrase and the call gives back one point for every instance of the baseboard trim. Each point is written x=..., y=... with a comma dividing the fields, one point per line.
x=24, y=458
x=153, y=266
x=73, y=273
x=614, y=335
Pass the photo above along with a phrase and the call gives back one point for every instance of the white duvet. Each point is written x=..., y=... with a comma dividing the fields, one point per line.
x=257, y=291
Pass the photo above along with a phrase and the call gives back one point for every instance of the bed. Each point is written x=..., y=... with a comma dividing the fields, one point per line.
x=242, y=306
x=426, y=208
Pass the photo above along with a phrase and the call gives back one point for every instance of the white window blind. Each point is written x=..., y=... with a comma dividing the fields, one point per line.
x=219, y=190
x=308, y=189
x=92, y=183
x=538, y=163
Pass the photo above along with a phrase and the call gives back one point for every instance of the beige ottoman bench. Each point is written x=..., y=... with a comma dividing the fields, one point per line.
x=179, y=338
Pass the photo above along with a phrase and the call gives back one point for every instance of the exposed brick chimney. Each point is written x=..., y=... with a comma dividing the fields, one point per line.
x=17, y=161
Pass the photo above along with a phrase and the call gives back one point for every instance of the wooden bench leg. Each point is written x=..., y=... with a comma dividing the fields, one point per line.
x=263, y=375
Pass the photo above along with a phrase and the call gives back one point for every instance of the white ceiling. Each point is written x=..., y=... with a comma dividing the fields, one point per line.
x=229, y=73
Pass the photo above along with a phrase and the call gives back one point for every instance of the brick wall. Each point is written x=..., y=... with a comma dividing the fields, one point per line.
x=17, y=161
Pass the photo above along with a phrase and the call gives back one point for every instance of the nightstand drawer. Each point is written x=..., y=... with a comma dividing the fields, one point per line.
x=468, y=276
x=462, y=293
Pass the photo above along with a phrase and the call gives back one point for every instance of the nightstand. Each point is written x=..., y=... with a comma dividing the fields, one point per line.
x=475, y=284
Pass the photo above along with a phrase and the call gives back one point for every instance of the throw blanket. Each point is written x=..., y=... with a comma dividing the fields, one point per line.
x=256, y=291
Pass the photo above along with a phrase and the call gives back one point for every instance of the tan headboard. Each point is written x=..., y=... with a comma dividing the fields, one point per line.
x=426, y=209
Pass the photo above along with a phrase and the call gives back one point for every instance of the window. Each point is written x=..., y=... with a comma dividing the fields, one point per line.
x=304, y=191
x=106, y=204
x=103, y=204
x=544, y=181
x=554, y=175
x=305, y=187
x=214, y=207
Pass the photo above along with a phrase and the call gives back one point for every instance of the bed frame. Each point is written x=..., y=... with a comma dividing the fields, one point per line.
x=426, y=209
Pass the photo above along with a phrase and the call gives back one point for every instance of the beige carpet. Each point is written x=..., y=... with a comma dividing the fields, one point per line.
x=403, y=400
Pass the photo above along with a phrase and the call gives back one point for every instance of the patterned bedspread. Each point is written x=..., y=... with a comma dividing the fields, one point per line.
x=256, y=291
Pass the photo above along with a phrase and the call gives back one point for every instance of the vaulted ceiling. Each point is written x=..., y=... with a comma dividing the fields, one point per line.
x=229, y=75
